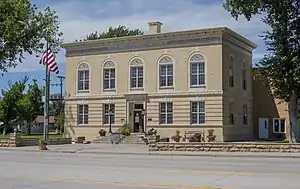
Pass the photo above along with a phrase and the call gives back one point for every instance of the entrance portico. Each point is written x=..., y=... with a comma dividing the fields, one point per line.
x=136, y=110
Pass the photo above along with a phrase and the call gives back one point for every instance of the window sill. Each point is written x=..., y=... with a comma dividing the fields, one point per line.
x=82, y=124
x=165, y=88
x=198, y=86
x=83, y=91
x=109, y=90
x=137, y=89
x=278, y=132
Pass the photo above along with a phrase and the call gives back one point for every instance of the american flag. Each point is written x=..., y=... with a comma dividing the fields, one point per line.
x=52, y=65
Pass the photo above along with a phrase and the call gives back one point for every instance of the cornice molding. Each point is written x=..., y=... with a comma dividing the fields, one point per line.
x=212, y=36
x=148, y=95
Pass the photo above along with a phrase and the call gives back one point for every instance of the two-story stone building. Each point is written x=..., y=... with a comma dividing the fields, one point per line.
x=185, y=80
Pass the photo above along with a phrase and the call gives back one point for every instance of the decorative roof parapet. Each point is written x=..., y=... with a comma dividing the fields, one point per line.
x=189, y=38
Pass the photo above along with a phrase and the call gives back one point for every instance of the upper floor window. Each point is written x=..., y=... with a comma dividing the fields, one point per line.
x=136, y=74
x=166, y=72
x=109, y=76
x=197, y=70
x=244, y=77
x=231, y=72
x=198, y=112
x=245, y=114
x=83, y=80
x=82, y=114
x=166, y=113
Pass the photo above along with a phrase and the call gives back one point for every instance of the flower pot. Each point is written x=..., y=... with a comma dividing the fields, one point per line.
x=211, y=138
x=43, y=147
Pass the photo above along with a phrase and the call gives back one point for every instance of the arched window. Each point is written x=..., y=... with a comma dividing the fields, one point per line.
x=166, y=72
x=197, y=70
x=83, y=80
x=109, y=75
x=231, y=72
x=136, y=74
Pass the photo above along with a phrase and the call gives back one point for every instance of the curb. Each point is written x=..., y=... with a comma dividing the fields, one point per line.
x=158, y=154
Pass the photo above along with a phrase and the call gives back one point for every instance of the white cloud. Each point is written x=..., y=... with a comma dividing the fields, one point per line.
x=81, y=18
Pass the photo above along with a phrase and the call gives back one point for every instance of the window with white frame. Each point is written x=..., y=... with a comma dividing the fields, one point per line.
x=197, y=70
x=244, y=77
x=108, y=113
x=231, y=113
x=231, y=72
x=166, y=72
x=198, y=112
x=83, y=80
x=279, y=125
x=166, y=113
x=109, y=76
x=245, y=114
x=136, y=74
x=82, y=114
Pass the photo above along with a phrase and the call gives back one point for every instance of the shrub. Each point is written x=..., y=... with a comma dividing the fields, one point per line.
x=152, y=132
x=176, y=137
x=126, y=130
x=102, y=132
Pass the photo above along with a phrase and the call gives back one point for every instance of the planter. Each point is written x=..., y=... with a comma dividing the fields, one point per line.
x=176, y=138
x=211, y=138
x=43, y=147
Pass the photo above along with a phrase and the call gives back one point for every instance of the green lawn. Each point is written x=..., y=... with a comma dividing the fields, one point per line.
x=50, y=136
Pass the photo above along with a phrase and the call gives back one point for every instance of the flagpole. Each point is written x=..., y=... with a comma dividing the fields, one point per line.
x=46, y=108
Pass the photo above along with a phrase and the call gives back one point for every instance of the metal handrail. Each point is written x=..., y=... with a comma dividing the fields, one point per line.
x=117, y=136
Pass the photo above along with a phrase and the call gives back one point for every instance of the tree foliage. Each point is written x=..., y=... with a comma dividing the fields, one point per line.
x=17, y=104
x=9, y=103
x=24, y=29
x=281, y=65
x=120, y=31
x=31, y=104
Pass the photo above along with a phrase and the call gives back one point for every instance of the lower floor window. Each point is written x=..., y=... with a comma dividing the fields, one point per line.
x=198, y=112
x=279, y=125
x=108, y=113
x=82, y=114
x=166, y=113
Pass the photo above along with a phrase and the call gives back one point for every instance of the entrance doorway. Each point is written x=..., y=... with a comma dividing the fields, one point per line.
x=138, y=118
x=263, y=128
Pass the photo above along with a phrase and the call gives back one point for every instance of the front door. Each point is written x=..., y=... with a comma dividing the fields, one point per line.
x=263, y=128
x=138, y=121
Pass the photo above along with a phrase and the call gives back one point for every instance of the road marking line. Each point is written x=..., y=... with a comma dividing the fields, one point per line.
x=167, y=170
x=133, y=184
x=216, y=172
x=116, y=183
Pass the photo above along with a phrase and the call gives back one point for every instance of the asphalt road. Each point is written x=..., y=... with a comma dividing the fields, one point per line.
x=38, y=170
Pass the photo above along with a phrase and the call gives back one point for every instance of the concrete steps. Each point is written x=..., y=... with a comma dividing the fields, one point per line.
x=134, y=138
x=101, y=140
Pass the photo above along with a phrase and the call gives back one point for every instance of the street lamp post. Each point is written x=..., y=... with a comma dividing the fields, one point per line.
x=143, y=115
x=110, y=115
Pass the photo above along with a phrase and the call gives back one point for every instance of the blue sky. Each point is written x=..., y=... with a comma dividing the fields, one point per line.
x=80, y=17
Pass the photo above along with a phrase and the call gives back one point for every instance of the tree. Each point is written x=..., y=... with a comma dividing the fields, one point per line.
x=281, y=66
x=120, y=31
x=24, y=29
x=9, y=103
x=31, y=105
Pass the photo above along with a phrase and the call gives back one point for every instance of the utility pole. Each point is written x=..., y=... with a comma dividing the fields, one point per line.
x=60, y=84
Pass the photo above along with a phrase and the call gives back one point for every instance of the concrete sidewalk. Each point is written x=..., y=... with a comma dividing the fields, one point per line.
x=126, y=149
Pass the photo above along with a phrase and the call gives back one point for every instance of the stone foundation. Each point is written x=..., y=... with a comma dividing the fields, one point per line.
x=15, y=141
x=224, y=147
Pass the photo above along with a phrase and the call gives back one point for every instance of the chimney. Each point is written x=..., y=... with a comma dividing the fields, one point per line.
x=155, y=27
